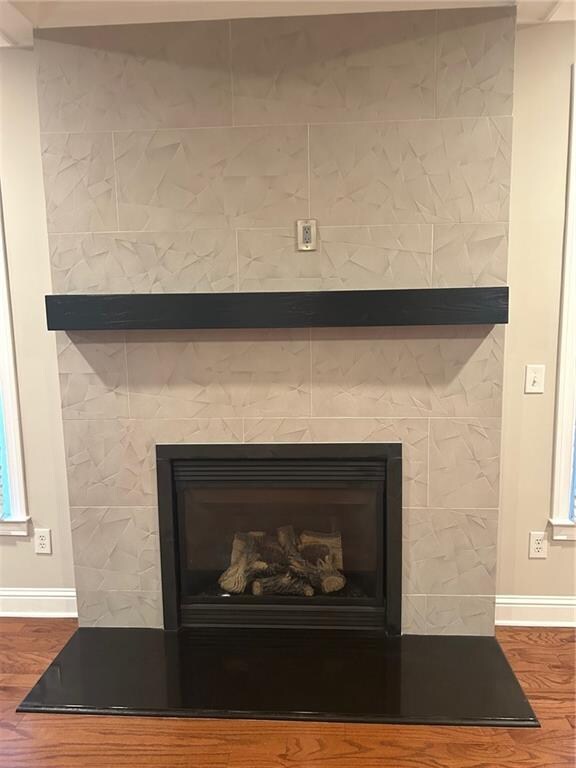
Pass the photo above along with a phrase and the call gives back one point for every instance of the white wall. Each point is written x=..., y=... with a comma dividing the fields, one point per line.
x=544, y=54
x=29, y=276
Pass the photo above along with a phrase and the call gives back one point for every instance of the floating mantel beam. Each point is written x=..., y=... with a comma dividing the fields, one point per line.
x=294, y=309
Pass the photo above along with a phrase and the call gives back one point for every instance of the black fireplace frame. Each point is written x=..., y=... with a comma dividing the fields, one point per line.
x=388, y=456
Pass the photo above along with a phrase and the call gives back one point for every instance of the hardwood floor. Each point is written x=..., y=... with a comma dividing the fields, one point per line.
x=542, y=659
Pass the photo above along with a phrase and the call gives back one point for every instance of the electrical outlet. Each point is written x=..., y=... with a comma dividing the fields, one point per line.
x=538, y=545
x=306, y=234
x=43, y=541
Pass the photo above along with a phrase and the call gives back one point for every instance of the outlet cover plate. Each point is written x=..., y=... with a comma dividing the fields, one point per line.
x=538, y=545
x=306, y=235
x=43, y=541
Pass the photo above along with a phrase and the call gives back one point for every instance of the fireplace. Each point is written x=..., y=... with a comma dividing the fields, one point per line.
x=281, y=536
x=233, y=516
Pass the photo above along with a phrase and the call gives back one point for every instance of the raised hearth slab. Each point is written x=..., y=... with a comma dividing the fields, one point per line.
x=355, y=676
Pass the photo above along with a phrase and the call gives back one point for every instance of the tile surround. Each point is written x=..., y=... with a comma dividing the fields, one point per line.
x=411, y=172
x=203, y=260
x=134, y=76
x=464, y=462
x=448, y=614
x=211, y=177
x=450, y=551
x=219, y=374
x=475, y=61
x=116, y=548
x=119, y=608
x=347, y=257
x=333, y=68
x=176, y=158
x=422, y=371
x=460, y=614
x=414, y=614
x=79, y=182
x=470, y=254
x=93, y=381
x=112, y=462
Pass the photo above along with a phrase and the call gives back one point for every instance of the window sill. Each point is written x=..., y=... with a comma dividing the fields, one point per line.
x=563, y=530
x=14, y=527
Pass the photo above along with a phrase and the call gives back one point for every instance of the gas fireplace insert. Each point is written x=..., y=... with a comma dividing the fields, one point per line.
x=281, y=535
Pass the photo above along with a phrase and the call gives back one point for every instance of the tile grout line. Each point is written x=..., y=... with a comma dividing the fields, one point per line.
x=237, y=263
x=109, y=506
x=450, y=508
x=448, y=594
x=433, y=227
x=299, y=418
x=428, y=466
x=377, y=225
x=309, y=170
x=436, y=57
x=127, y=381
x=164, y=129
x=115, y=185
x=310, y=372
x=231, y=72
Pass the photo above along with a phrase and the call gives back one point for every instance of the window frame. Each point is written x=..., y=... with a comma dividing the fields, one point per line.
x=17, y=523
x=563, y=527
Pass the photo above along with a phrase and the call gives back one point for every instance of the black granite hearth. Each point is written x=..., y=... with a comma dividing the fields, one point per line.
x=356, y=676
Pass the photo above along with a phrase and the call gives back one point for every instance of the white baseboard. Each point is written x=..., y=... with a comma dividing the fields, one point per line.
x=536, y=610
x=33, y=603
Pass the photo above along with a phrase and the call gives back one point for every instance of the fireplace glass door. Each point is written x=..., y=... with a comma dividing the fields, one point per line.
x=267, y=543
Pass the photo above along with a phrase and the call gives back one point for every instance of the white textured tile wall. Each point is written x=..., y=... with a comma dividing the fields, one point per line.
x=202, y=260
x=176, y=158
x=138, y=76
x=211, y=177
x=334, y=68
x=347, y=257
x=411, y=171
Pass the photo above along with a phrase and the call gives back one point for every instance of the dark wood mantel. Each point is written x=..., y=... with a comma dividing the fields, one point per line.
x=169, y=311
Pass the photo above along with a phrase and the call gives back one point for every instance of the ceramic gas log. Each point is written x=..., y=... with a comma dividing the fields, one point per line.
x=286, y=563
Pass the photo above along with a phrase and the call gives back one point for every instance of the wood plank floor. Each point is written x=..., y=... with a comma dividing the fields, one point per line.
x=542, y=659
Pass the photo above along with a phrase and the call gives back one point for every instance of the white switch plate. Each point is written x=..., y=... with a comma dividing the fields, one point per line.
x=42, y=541
x=534, y=379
